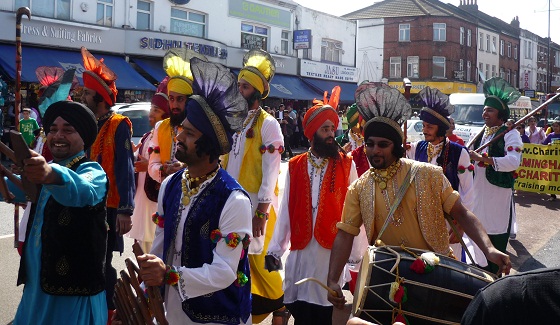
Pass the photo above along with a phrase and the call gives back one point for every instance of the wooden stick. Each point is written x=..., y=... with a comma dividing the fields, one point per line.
x=331, y=291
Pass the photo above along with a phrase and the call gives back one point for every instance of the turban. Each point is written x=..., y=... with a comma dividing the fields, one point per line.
x=99, y=77
x=78, y=115
x=353, y=116
x=258, y=69
x=162, y=102
x=499, y=94
x=436, y=107
x=176, y=64
x=316, y=116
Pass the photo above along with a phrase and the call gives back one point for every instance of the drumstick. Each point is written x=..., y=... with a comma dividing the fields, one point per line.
x=331, y=291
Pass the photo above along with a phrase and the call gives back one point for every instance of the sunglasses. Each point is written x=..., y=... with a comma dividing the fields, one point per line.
x=380, y=144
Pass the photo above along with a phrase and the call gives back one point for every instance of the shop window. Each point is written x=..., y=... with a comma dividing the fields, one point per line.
x=47, y=8
x=105, y=12
x=143, y=15
x=439, y=32
x=438, y=66
x=254, y=37
x=412, y=66
x=395, y=67
x=188, y=22
x=285, y=42
x=404, y=32
x=331, y=51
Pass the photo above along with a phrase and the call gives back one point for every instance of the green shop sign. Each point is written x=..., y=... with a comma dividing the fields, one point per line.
x=260, y=13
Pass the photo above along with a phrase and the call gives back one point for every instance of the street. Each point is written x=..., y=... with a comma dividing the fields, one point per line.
x=537, y=245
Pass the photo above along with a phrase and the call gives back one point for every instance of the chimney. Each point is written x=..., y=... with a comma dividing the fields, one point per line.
x=469, y=5
x=515, y=22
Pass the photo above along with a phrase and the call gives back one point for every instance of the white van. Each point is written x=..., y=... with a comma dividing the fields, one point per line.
x=468, y=112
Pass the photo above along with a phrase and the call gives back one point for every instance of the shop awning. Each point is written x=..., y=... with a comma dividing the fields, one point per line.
x=289, y=87
x=152, y=67
x=347, y=89
x=33, y=57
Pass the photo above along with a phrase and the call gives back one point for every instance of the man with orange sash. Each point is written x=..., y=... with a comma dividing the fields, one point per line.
x=311, y=206
x=179, y=87
x=254, y=161
x=112, y=149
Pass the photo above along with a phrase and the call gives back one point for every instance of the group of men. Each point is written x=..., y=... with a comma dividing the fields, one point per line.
x=219, y=231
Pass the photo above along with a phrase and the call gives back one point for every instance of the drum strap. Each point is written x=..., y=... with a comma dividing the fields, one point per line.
x=398, y=198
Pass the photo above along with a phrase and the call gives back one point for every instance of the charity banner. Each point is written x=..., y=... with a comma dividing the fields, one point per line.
x=540, y=169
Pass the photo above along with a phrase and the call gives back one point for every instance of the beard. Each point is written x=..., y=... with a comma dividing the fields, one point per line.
x=181, y=153
x=324, y=149
x=176, y=119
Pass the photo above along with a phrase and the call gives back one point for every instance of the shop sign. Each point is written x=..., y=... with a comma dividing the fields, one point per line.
x=166, y=44
x=302, y=39
x=444, y=87
x=327, y=71
x=260, y=13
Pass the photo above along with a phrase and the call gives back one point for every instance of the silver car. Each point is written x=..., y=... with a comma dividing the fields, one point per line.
x=138, y=115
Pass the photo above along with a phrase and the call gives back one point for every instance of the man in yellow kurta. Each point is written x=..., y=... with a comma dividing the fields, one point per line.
x=254, y=161
x=418, y=220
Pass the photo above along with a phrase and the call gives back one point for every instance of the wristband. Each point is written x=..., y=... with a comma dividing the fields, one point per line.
x=171, y=276
x=261, y=215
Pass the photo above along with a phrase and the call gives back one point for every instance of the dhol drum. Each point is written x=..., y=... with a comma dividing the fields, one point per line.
x=438, y=297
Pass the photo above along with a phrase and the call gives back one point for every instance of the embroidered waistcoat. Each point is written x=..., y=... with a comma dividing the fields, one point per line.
x=453, y=152
x=497, y=149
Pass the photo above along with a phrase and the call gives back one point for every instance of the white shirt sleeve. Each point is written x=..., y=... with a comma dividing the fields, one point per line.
x=466, y=188
x=281, y=238
x=512, y=158
x=222, y=272
x=411, y=153
x=155, y=159
x=270, y=134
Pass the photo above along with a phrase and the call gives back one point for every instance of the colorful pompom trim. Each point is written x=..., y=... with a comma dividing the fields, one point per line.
x=153, y=149
x=481, y=163
x=398, y=293
x=262, y=149
x=171, y=276
x=471, y=168
x=401, y=318
x=232, y=239
x=425, y=263
x=250, y=133
x=515, y=175
x=158, y=220
x=461, y=169
x=271, y=148
x=242, y=279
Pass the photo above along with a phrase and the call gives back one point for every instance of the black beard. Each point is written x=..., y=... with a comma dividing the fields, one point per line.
x=324, y=149
x=181, y=155
x=177, y=119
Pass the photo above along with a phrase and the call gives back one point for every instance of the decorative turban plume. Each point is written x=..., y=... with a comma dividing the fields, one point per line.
x=216, y=108
x=176, y=64
x=58, y=90
x=436, y=107
x=258, y=69
x=320, y=112
x=384, y=109
x=99, y=77
x=499, y=94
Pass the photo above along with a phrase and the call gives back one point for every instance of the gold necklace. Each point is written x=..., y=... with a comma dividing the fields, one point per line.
x=433, y=151
x=358, y=139
x=188, y=193
x=73, y=161
x=381, y=176
x=488, y=131
x=318, y=167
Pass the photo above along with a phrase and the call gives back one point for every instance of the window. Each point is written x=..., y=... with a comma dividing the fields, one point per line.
x=438, y=67
x=331, y=51
x=494, y=47
x=461, y=65
x=481, y=74
x=502, y=73
x=488, y=75
x=144, y=11
x=47, y=8
x=439, y=32
x=404, y=32
x=462, y=35
x=481, y=41
x=487, y=43
x=514, y=80
x=515, y=52
x=469, y=37
x=557, y=59
x=468, y=70
x=502, y=47
x=188, y=23
x=528, y=49
x=509, y=49
x=412, y=66
x=508, y=76
x=395, y=67
x=493, y=71
x=105, y=12
x=285, y=42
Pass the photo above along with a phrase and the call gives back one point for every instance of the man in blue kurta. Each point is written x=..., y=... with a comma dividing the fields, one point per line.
x=62, y=265
x=204, y=216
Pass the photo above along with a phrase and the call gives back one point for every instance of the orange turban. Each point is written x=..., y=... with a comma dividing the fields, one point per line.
x=316, y=116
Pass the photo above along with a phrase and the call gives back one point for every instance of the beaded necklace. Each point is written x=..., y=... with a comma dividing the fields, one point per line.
x=174, y=130
x=316, y=166
x=105, y=116
x=434, y=150
x=381, y=176
x=321, y=175
x=187, y=181
x=488, y=131
x=253, y=116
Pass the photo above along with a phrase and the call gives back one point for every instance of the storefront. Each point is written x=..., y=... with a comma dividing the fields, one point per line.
x=446, y=87
x=324, y=77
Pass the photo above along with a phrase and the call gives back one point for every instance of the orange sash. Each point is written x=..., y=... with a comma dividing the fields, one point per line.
x=331, y=200
x=104, y=146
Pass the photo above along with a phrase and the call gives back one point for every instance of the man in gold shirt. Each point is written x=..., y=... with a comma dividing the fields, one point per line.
x=418, y=220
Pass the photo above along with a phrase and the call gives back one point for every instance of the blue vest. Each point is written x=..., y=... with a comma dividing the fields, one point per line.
x=453, y=152
x=227, y=306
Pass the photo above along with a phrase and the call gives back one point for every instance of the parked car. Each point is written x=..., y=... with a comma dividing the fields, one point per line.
x=414, y=130
x=138, y=115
